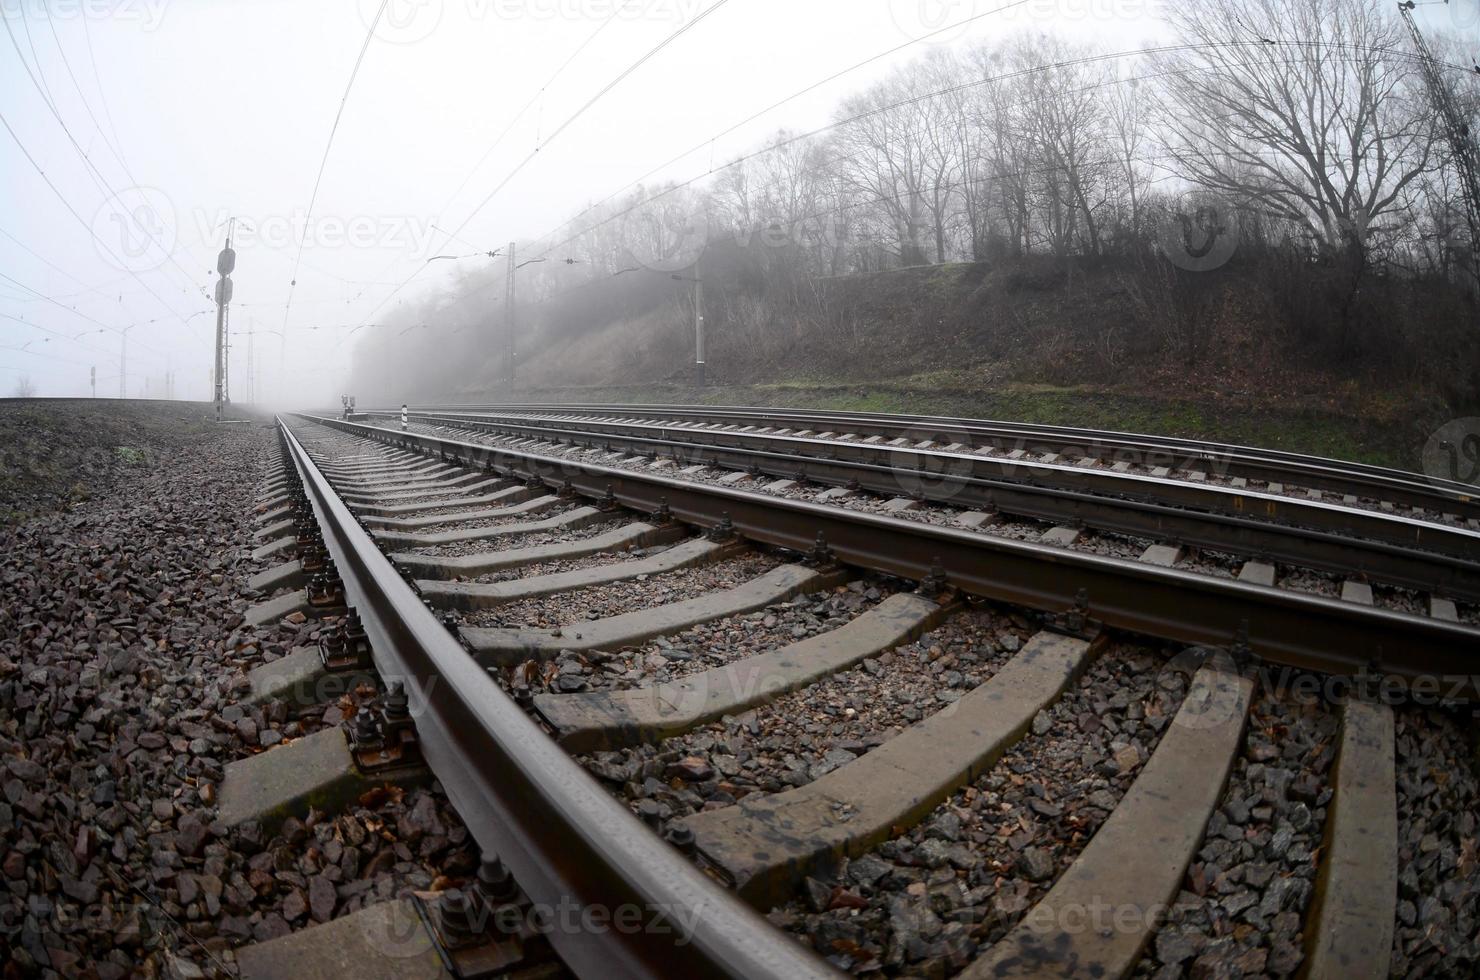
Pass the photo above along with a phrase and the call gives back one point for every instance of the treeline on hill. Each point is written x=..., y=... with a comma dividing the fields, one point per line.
x=1267, y=196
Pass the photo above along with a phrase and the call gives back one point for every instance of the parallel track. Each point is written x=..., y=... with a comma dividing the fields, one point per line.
x=1265, y=465
x=1397, y=550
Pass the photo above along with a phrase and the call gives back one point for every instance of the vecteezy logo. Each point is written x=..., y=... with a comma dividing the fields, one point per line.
x=922, y=19
x=135, y=229
x=1212, y=697
x=1452, y=454
x=1198, y=234
x=401, y=21
x=664, y=238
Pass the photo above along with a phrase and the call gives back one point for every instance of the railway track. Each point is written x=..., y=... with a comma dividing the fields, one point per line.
x=930, y=714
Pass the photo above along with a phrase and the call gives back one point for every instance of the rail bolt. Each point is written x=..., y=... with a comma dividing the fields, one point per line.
x=397, y=705
x=724, y=530
x=365, y=732
x=462, y=917
x=683, y=838
x=496, y=883
x=650, y=812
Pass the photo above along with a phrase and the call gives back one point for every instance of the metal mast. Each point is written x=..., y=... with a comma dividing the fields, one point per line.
x=509, y=317
x=225, y=264
x=1463, y=154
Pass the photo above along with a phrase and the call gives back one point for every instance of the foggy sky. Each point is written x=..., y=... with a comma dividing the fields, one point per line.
x=223, y=109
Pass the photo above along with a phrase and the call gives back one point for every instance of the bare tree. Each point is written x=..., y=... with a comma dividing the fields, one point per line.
x=24, y=388
x=1316, y=117
x=1129, y=134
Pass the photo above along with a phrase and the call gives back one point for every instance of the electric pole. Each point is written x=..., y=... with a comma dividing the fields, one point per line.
x=698, y=325
x=93, y=379
x=251, y=372
x=698, y=281
x=509, y=316
x=1463, y=153
x=225, y=264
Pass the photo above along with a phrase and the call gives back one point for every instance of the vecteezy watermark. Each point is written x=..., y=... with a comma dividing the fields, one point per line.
x=403, y=232
x=135, y=230
x=825, y=231
x=1199, y=233
x=1098, y=917
x=935, y=21
x=925, y=469
x=410, y=21
x=401, y=21
x=148, y=14
x=947, y=21
x=1452, y=454
x=677, y=11
x=668, y=241
x=1464, y=15
x=663, y=238
x=396, y=931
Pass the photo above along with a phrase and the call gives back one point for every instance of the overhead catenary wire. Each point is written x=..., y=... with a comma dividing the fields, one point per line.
x=901, y=103
x=98, y=80
x=913, y=100
x=113, y=144
x=519, y=167
x=73, y=211
x=89, y=166
x=538, y=93
x=324, y=160
x=834, y=76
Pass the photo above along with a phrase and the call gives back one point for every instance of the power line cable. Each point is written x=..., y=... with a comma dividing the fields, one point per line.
x=324, y=160
x=73, y=211
x=914, y=100
x=651, y=52
x=98, y=78
x=90, y=167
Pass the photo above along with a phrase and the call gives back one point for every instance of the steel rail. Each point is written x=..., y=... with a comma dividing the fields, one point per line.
x=1290, y=628
x=1270, y=465
x=1389, y=528
x=571, y=846
x=1397, y=550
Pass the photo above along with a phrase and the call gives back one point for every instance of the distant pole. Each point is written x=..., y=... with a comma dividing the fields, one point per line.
x=251, y=371
x=698, y=326
x=225, y=264
x=123, y=362
x=509, y=317
x=698, y=281
x=93, y=379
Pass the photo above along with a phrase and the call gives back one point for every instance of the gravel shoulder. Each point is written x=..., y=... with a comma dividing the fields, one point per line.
x=122, y=659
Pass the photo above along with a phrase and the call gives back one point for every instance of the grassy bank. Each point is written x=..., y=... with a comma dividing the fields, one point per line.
x=1389, y=439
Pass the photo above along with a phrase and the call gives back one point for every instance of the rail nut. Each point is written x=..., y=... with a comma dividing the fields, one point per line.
x=934, y=582
x=364, y=731
x=461, y=917
x=724, y=530
x=325, y=590
x=821, y=556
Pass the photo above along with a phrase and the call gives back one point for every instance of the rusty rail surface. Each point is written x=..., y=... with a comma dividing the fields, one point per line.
x=1295, y=629
x=568, y=842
